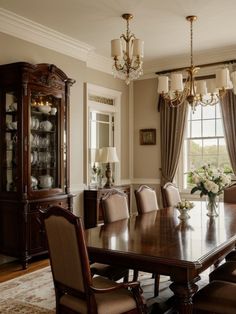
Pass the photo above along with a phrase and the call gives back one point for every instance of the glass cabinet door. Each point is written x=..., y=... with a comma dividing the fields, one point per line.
x=45, y=139
x=9, y=147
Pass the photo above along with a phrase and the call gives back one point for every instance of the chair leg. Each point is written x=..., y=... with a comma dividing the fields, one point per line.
x=126, y=277
x=135, y=275
x=156, y=284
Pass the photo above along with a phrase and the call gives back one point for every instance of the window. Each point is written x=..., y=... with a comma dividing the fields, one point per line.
x=204, y=141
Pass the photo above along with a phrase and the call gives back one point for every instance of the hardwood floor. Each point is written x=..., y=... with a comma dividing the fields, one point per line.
x=14, y=269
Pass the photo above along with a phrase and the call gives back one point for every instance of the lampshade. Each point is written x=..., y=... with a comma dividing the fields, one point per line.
x=108, y=154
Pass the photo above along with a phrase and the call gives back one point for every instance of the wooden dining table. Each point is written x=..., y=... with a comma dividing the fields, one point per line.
x=159, y=242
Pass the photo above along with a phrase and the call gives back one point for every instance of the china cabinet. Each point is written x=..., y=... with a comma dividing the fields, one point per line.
x=34, y=153
x=92, y=204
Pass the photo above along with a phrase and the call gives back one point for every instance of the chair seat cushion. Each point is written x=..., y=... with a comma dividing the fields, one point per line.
x=108, y=271
x=216, y=297
x=231, y=256
x=115, y=302
x=225, y=272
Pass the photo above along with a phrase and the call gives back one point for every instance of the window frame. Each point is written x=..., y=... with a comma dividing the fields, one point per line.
x=184, y=154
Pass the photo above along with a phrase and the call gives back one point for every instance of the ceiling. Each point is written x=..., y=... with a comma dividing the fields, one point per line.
x=160, y=23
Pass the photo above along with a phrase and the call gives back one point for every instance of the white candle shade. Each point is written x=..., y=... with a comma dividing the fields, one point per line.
x=116, y=49
x=177, y=82
x=223, y=79
x=138, y=47
x=233, y=77
x=108, y=154
x=201, y=88
x=211, y=87
x=163, y=84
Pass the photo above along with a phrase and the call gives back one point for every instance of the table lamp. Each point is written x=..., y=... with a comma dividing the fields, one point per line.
x=108, y=155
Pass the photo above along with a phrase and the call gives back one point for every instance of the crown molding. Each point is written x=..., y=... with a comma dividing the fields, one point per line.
x=100, y=63
x=28, y=30
x=23, y=28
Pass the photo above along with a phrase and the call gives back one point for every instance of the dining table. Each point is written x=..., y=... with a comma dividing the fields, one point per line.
x=160, y=242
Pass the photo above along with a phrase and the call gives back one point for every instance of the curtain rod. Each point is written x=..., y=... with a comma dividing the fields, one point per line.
x=200, y=66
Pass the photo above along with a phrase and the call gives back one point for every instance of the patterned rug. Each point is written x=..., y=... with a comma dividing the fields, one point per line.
x=31, y=293
x=34, y=293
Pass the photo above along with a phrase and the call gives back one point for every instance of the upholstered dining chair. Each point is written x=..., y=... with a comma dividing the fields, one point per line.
x=230, y=197
x=76, y=290
x=146, y=201
x=112, y=201
x=230, y=194
x=225, y=272
x=170, y=194
x=114, y=206
x=216, y=297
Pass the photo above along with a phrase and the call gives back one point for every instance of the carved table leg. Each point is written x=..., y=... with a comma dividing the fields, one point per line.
x=184, y=293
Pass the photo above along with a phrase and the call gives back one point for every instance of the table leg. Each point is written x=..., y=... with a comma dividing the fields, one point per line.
x=184, y=293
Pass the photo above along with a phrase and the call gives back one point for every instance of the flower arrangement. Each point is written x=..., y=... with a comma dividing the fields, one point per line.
x=184, y=204
x=183, y=207
x=209, y=181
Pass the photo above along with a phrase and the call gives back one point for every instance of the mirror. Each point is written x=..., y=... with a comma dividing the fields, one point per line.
x=103, y=130
x=101, y=134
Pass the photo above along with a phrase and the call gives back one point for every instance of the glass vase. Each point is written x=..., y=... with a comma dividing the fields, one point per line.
x=212, y=204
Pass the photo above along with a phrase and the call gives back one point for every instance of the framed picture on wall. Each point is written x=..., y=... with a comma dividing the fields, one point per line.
x=147, y=136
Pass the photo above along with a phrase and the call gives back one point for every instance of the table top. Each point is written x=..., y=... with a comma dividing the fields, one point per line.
x=160, y=236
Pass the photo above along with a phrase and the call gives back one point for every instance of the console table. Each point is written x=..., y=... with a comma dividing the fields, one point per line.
x=92, y=204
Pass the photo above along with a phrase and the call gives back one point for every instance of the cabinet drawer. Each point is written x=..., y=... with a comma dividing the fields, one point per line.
x=46, y=204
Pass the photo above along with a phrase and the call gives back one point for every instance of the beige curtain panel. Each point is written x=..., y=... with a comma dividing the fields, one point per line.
x=172, y=124
x=228, y=109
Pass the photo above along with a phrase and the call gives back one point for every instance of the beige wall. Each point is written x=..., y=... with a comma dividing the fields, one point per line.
x=146, y=161
x=146, y=157
x=15, y=50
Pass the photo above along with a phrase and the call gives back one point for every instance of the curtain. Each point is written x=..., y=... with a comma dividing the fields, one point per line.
x=172, y=126
x=228, y=108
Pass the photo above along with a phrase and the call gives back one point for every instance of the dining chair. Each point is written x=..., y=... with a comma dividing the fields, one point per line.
x=114, y=206
x=216, y=297
x=146, y=201
x=110, y=202
x=225, y=272
x=75, y=288
x=170, y=194
x=230, y=197
x=230, y=194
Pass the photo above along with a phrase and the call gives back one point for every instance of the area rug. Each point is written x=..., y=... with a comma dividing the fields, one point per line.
x=34, y=293
x=31, y=293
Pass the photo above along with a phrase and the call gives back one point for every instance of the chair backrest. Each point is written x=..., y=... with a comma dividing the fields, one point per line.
x=171, y=194
x=230, y=194
x=67, y=250
x=115, y=206
x=146, y=199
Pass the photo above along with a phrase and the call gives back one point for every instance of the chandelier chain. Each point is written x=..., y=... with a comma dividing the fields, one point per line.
x=191, y=43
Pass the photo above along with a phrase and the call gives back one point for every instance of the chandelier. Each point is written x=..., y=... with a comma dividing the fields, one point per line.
x=127, y=52
x=193, y=91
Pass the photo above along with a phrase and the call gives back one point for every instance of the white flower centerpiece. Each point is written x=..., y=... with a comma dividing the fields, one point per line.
x=211, y=182
x=184, y=206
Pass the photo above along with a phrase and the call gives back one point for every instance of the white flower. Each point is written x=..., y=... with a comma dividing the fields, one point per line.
x=196, y=179
x=184, y=204
x=208, y=185
x=214, y=188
